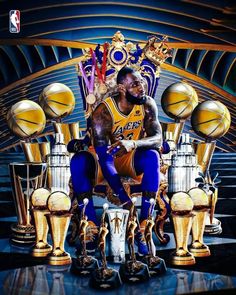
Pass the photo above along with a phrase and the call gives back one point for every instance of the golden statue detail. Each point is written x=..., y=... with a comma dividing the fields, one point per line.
x=104, y=277
x=155, y=264
x=83, y=264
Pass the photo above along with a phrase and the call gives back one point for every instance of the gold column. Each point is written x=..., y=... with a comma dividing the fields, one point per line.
x=69, y=130
x=35, y=152
x=175, y=128
x=204, y=152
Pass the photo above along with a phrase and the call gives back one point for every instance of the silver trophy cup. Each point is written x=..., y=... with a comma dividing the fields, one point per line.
x=118, y=221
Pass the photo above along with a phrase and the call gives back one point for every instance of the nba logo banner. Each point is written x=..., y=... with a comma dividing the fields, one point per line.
x=14, y=21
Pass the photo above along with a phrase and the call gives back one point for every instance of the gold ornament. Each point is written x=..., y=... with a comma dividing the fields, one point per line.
x=58, y=201
x=179, y=100
x=26, y=118
x=211, y=119
x=90, y=98
x=57, y=100
x=39, y=197
x=181, y=202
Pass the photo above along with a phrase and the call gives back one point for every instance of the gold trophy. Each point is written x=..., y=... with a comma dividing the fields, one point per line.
x=59, y=205
x=133, y=271
x=155, y=264
x=39, y=202
x=200, y=209
x=181, y=206
x=69, y=130
x=83, y=264
x=104, y=277
x=211, y=120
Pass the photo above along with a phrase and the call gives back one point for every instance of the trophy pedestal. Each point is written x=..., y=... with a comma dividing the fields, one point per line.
x=84, y=265
x=41, y=249
x=107, y=278
x=182, y=257
x=134, y=272
x=59, y=259
x=155, y=265
x=22, y=234
x=213, y=228
x=199, y=249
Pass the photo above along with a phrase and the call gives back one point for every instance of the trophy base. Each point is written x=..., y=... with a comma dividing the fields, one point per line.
x=134, y=272
x=155, y=265
x=214, y=228
x=182, y=257
x=63, y=259
x=84, y=265
x=105, y=279
x=199, y=250
x=42, y=251
x=23, y=234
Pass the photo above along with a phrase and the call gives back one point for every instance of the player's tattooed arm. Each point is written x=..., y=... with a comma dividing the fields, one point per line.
x=152, y=127
x=101, y=126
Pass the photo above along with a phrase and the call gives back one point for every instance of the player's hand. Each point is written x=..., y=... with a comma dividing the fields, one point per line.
x=121, y=147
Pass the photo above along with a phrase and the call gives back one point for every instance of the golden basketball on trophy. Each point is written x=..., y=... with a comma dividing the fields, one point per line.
x=39, y=197
x=181, y=202
x=26, y=118
x=57, y=100
x=58, y=202
x=211, y=119
x=179, y=100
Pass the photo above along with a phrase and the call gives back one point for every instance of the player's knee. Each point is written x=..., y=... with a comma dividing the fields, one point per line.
x=80, y=162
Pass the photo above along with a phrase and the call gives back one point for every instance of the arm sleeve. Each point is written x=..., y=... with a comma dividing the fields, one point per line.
x=106, y=162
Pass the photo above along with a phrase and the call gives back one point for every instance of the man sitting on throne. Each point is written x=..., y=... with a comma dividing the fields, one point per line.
x=126, y=136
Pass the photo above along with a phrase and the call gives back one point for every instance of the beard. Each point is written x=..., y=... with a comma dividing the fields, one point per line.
x=135, y=100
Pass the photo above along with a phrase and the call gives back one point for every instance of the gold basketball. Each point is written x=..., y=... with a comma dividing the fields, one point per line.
x=39, y=197
x=179, y=100
x=199, y=197
x=181, y=201
x=59, y=201
x=211, y=119
x=26, y=118
x=57, y=100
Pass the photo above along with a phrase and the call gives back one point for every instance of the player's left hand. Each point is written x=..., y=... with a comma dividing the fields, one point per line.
x=121, y=147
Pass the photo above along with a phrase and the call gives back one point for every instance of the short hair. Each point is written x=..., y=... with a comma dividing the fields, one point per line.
x=122, y=74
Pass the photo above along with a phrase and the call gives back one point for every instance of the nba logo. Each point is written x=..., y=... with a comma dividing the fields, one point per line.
x=14, y=21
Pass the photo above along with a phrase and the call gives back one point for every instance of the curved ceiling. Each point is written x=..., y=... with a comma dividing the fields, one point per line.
x=53, y=34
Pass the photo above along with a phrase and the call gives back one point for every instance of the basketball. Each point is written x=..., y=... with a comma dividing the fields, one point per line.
x=199, y=197
x=211, y=119
x=58, y=201
x=26, y=118
x=179, y=100
x=181, y=201
x=57, y=100
x=39, y=197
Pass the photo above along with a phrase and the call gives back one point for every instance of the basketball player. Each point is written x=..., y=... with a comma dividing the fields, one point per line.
x=126, y=134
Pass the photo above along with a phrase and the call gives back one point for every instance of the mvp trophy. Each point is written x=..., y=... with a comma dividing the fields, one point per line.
x=118, y=222
x=39, y=203
x=181, y=206
x=132, y=270
x=59, y=205
x=83, y=264
x=104, y=277
x=155, y=264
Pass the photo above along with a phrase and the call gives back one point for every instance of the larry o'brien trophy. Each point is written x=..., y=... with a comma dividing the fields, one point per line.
x=181, y=206
x=210, y=120
x=200, y=209
x=155, y=264
x=39, y=203
x=104, y=277
x=133, y=271
x=25, y=119
x=117, y=223
x=83, y=264
x=59, y=205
